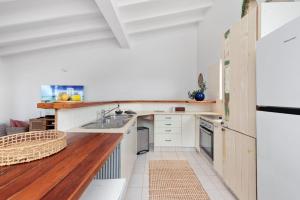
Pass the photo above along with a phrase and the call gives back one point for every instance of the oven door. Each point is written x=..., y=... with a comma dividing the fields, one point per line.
x=206, y=142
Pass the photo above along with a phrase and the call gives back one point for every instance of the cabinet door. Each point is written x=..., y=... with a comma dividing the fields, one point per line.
x=124, y=157
x=218, y=149
x=128, y=152
x=240, y=82
x=235, y=79
x=229, y=164
x=188, y=133
x=132, y=148
x=252, y=38
x=248, y=168
x=240, y=164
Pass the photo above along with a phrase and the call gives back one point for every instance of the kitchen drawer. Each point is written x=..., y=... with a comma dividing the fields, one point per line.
x=167, y=131
x=167, y=118
x=167, y=124
x=166, y=140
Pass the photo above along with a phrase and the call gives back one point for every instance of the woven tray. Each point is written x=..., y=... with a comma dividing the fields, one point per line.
x=30, y=146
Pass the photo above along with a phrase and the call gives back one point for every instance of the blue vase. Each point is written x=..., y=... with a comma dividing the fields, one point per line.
x=199, y=96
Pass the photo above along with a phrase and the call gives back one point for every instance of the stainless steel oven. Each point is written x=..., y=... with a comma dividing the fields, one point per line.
x=207, y=137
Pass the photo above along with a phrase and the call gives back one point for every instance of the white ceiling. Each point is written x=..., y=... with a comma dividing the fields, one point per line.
x=27, y=25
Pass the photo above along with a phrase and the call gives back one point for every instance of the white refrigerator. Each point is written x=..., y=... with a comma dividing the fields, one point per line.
x=278, y=114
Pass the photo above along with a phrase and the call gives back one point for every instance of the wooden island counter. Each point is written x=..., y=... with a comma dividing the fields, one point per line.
x=64, y=175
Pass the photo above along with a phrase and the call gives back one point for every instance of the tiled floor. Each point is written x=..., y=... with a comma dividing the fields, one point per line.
x=138, y=188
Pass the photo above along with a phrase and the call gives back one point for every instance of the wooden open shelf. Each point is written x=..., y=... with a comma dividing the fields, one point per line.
x=71, y=105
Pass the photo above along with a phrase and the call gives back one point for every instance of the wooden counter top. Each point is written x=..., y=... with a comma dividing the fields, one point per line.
x=70, y=105
x=64, y=175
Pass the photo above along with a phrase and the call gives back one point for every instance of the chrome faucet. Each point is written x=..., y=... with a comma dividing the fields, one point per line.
x=103, y=112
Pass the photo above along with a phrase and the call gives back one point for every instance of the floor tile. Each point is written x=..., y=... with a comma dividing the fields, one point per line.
x=136, y=180
x=139, y=184
x=134, y=194
x=139, y=169
x=227, y=195
x=145, y=194
x=214, y=195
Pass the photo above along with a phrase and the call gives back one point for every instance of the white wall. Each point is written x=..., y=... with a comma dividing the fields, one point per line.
x=218, y=19
x=5, y=98
x=158, y=66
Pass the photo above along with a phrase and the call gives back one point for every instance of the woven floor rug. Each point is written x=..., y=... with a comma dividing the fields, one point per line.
x=174, y=180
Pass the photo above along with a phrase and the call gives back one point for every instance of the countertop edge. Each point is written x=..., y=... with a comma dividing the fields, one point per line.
x=73, y=105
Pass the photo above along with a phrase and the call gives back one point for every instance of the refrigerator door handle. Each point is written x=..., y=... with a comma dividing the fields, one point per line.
x=289, y=40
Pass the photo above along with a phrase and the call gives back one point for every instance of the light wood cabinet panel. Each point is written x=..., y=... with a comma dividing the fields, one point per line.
x=239, y=164
x=240, y=71
x=248, y=167
x=235, y=77
x=229, y=164
x=252, y=38
x=218, y=150
x=239, y=156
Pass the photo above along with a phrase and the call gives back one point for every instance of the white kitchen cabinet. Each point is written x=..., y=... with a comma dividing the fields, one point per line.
x=168, y=140
x=175, y=130
x=167, y=117
x=168, y=124
x=107, y=189
x=128, y=152
x=188, y=133
x=167, y=130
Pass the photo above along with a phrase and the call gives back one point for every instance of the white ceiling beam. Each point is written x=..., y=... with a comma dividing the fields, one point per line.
x=56, y=42
x=51, y=28
x=175, y=12
x=123, y=3
x=164, y=26
x=22, y=11
x=111, y=16
x=49, y=20
x=160, y=7
x=155, y=23
x=48, y=36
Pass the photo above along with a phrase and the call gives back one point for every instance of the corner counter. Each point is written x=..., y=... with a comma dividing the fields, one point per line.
x=71, y=115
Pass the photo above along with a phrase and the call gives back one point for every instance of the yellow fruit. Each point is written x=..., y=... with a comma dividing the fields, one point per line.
x=64, y=97
x=76, y=97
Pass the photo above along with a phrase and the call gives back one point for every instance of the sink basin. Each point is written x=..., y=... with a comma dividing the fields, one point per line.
x=109, y=122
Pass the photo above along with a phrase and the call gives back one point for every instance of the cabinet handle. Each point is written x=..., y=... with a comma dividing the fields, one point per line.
x=168, y=124
x=168, y=140
x=168, y=117
x=168, y=130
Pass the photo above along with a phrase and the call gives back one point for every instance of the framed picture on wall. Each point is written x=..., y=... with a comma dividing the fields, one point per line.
x=62, y=93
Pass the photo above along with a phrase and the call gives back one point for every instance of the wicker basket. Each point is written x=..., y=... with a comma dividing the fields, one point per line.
x=30, y=146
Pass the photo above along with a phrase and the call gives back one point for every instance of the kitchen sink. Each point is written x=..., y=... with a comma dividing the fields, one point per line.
x=109, y=122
